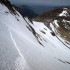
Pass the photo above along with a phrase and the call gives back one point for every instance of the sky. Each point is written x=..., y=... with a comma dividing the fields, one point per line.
x=53, y=2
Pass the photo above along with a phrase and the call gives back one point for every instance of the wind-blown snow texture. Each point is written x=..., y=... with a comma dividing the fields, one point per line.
x=29, y=46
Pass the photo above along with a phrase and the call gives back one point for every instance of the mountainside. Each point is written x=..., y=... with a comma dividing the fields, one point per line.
x=60, y=20
x=26, y=11
x=26, y=45
x=39, y=9
x=61, y=12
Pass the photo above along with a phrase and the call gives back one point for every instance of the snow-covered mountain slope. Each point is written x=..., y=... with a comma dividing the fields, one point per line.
x=58, y=20
x=29, y=46
x=64, y=13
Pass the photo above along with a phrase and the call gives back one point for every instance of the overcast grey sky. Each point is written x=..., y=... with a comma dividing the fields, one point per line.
x=59, y=2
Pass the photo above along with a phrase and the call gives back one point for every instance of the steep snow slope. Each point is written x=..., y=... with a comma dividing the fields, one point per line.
x=29, y=46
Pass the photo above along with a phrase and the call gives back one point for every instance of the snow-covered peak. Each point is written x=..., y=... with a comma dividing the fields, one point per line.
x=64, y=12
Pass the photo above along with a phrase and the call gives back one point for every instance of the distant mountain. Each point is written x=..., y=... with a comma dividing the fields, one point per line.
x=60, y=19
x=55, y=12
x=26, y=11
x=39, y=9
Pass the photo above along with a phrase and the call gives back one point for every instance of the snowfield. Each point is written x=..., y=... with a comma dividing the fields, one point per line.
x=29, y=46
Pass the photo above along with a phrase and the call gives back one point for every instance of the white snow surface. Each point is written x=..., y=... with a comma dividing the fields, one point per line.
x=20, y=50
x=56, y=23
